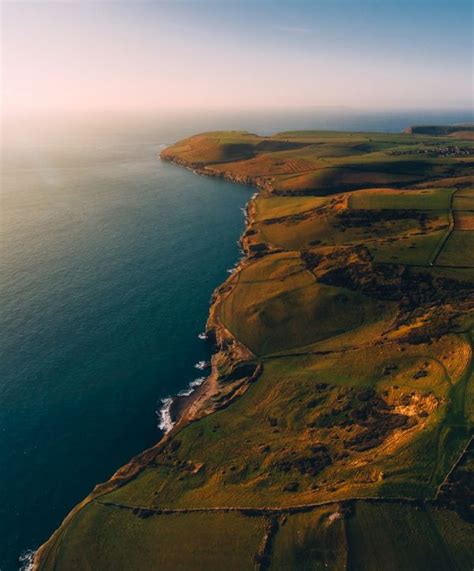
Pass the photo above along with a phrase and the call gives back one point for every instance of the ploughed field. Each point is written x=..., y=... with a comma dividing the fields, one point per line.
x=334, y=431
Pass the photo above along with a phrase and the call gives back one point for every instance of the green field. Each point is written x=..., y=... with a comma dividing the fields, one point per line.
x=335, y=430
x=356, y=537
x=415, y=199
x=311, y=541
x=117, y=539
x=408, y=538
x=256, y=311
x=278, y=206
x=459, y=250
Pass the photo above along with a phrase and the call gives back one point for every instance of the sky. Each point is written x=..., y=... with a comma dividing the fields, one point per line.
x=163, y=54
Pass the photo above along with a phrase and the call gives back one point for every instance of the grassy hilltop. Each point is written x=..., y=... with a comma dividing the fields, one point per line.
x=334, y=431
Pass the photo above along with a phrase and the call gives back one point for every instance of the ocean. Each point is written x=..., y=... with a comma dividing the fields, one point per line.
x=109, y=259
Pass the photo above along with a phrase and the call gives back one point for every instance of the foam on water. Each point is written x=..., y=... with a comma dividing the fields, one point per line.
x=164, y=414
x=26, y=560
x=165, y=422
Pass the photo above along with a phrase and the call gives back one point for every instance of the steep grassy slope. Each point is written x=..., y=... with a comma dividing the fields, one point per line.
x=334, y=430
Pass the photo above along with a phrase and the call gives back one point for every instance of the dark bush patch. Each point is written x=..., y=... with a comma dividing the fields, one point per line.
x=291, y=487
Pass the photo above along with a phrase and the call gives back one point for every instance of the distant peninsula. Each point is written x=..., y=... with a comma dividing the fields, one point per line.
x=335, y=429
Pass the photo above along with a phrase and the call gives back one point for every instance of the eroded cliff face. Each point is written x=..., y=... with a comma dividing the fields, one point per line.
x=234, y=366
x=261, y=182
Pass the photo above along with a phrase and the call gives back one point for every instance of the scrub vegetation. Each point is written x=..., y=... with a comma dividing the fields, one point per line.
x=334, y=431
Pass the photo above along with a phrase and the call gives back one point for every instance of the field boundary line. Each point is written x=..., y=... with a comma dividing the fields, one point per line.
x=454, y=466
x=450, y=230
x=299, y=508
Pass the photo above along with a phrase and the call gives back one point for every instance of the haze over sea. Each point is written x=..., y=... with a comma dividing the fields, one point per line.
x=109, y=260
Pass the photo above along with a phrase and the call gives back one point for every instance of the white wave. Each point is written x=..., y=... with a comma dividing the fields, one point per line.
x=235, y=267
x=201, y=365
x=197, y=382
x=164, y=414
x=192, y=387
x=26, y=560
x=185, y=392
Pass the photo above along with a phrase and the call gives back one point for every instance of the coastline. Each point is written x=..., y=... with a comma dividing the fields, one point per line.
x=259, y=182
x=234, y=367
x=184, y=408
x=216, y=392
x=187, y=404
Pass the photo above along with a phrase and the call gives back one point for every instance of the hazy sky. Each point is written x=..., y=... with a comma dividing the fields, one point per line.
x=80, y=54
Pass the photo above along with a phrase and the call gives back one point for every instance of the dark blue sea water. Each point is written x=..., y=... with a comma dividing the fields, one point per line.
x=109, y=258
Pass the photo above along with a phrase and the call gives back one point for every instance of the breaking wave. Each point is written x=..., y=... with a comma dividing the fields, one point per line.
x=165, y=422
x=193, y=385
x=26, y=560
x=164, y=414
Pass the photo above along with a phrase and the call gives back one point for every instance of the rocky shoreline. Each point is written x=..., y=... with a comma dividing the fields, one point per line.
x=219, y=389
x=260, y=182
